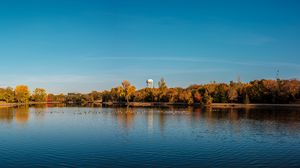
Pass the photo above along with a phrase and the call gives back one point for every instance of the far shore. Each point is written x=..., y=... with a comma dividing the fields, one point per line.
x=162, y=104
x=236, y=105
x=23, y=104
x=214, y=105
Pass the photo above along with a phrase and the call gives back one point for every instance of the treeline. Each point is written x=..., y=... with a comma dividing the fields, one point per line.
x=21, y=94
x=257, y=91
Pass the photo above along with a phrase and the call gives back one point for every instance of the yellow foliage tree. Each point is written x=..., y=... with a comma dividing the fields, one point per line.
x=127, y=90
x=39, y=95
x=22, y=94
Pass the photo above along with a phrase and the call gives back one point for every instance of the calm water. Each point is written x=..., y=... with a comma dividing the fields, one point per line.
x=149, y=137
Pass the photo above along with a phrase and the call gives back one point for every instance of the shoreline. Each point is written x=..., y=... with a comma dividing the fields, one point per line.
x=237, y=105
x=162, y=104
x=5, y=105
x=213, y=105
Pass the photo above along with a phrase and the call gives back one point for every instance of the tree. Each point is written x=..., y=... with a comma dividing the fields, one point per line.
x=172, y=95
x=186, y=97
x=220, y=94
x=162, y=84
x=22, y=94
x=106, y=96
x=95, y=96
x=60, y=98
x=39, y=95
x=127, y=90
x=207, y=99
x=75, y=98
x=116, y=94
x=197, y=97
x=7, y=95
x=232, y=94
x=246, y=101
x=2, y=92
x=51, y=98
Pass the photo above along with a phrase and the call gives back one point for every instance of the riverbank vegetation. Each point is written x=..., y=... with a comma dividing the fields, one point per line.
x=257, y=91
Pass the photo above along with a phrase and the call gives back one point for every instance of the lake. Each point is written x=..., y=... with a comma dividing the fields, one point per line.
x=59, y=136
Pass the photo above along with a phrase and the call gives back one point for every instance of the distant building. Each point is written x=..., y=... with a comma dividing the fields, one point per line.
x=149, y=83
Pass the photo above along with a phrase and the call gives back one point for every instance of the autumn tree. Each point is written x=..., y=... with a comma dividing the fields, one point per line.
x=115, y=94
x=106, y=96
x=140, y=95
x=39, y=95
x=22, y=94
x=232, y=94
x=95, y=96
x=127, y=90
x=220, y=93
x=197, y=97
x=207, y=99
x=60, y=98
x=75, y=98
x=185, y=97
x=246, y=100
x=7, y=95
x=257, y=91
x=162, y=84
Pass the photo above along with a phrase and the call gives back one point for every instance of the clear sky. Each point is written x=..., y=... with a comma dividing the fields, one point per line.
x=72, y=45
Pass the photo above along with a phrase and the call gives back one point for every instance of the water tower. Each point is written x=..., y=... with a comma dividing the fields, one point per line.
x=149, y=83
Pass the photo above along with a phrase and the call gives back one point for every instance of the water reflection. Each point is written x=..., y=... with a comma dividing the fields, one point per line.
x=167, y=136
x=162, y=121
x=19, y=114
x=236, y=118
x=22, y=114
x=150, y=120
x=126, y=117
x=6, y=115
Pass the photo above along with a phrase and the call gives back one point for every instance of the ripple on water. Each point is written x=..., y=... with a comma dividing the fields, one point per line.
x=151, y=137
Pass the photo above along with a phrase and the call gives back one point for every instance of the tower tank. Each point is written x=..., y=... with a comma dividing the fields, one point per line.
x=149, y=83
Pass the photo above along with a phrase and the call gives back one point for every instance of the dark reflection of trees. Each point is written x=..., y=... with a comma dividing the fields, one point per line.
x=6, y=115
x=261, y=114
x=50, y=105
x=196, y=115
x=235, y=117
x=125, y=116
x=150, y=118
x=208, y=114
x=162, y=121
x=57, y=105
x=40, y=106
x=40, y=111
x=275, y=114
x=22, y=114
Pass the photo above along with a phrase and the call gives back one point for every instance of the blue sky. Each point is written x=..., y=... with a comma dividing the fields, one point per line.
x=79, y=46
